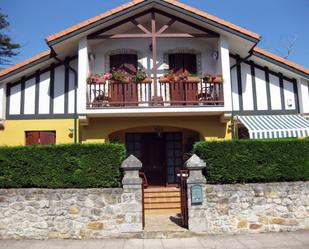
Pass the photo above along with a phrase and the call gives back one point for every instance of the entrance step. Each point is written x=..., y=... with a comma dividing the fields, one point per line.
x=162, y=200
x=164, y=226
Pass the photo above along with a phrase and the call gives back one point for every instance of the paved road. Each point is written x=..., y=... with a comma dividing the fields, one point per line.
x=297, y=240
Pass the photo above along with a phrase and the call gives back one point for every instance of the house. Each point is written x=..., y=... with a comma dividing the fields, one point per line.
x=209, y=81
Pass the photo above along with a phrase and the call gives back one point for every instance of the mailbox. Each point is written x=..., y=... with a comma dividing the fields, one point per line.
x=196, y=195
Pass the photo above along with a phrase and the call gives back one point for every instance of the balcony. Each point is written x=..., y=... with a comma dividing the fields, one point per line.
x=111, y=94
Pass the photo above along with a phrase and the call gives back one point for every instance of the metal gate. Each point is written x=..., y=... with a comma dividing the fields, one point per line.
x=144, y=185
x=183, y=174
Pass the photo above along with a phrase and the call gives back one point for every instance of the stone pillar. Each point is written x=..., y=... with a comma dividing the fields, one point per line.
x=131, y=167
x=196, y=212
x=132, y=191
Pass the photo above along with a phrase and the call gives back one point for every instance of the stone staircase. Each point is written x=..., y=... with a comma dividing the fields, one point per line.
x=162, y=208
x=162, y=200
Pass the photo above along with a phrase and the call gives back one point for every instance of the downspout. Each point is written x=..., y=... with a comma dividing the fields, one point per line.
x=75, y=89
x=235, y=65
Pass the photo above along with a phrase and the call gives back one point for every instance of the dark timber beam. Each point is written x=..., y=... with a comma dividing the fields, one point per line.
x=178, y=19
x=112, y=26
x=164, y=35
x=140, y=26
x=98, y=34
x=166, y=26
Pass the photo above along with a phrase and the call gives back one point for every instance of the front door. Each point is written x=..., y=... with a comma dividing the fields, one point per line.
x=153, y=158
x=160, y=153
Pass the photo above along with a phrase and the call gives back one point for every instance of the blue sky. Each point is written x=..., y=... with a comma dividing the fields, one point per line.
x=278, y=21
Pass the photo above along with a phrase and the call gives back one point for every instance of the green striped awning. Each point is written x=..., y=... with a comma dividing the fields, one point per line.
x=275, y=126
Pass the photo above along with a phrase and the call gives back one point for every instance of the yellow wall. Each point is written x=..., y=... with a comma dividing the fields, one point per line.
x=14, y=130
x=99, y=129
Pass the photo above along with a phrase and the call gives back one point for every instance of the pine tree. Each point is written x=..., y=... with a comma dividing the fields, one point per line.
x=7, y=46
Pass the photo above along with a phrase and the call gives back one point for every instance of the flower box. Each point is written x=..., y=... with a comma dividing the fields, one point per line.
x=217, y=79
x=146, y=80
x=192, y=79
x=124, y=81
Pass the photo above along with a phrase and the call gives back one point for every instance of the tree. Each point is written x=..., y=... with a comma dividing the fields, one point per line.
x=7, y=46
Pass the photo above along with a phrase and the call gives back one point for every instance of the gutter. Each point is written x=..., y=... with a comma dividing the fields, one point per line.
x=75, y=89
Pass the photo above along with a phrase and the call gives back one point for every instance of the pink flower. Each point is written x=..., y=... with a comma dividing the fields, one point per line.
x=107, y=76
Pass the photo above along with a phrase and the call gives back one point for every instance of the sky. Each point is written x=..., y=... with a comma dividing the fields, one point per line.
x=280, y=22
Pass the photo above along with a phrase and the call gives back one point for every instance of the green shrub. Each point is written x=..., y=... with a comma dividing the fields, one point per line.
x=61, y=166
x=249, y=161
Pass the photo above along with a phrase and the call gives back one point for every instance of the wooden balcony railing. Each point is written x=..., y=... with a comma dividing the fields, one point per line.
x=181, y=93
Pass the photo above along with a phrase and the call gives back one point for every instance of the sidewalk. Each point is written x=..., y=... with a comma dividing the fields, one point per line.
x=295, y=240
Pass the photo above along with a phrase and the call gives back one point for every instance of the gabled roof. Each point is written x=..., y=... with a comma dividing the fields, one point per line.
x=128, y=5
x=53, y=38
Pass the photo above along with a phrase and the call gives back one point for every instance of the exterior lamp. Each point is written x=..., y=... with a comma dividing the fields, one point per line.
x=159, y=131
x=215, y=55
x=91, y=56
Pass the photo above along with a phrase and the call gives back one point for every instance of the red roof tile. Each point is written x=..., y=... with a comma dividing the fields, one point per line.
x=282, y=60
x=24, y=63
x=130, y=4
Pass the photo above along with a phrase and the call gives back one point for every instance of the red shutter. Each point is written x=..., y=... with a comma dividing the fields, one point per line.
x=176, y=63
x=32, y=137
x=124, y=92
x=40, y=137
x=189, y=63
x=183, y=62
x=127, y=62
x=47, y=137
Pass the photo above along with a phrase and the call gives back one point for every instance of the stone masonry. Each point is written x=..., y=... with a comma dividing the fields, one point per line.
x=246, y=208
x=69, y=213
x=74, y=213
x=255, y=208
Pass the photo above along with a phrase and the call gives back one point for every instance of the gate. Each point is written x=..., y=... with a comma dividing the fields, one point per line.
x=144, y=185
x=183, y=174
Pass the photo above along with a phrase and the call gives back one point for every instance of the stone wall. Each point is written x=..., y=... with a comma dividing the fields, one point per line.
x=252, y=208
x=69, y=213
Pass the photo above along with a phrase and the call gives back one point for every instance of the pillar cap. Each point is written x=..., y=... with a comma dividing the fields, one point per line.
x=195, y=163
x=131, y=163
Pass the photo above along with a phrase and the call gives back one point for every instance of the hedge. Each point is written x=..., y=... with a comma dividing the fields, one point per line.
x=61, y=166
x=253, y=161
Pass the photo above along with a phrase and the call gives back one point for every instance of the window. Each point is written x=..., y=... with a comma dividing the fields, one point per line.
x=180, y=63
x=126, y=62
x=40, y=137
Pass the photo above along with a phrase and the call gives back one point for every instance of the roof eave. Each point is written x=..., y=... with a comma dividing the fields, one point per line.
x=97, y=23
x=281, y=64
x=143, y=4
x=25, y=67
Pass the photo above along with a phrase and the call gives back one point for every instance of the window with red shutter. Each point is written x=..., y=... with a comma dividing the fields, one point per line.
x=180, y=63
x=126, y=62
x=40, y=137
